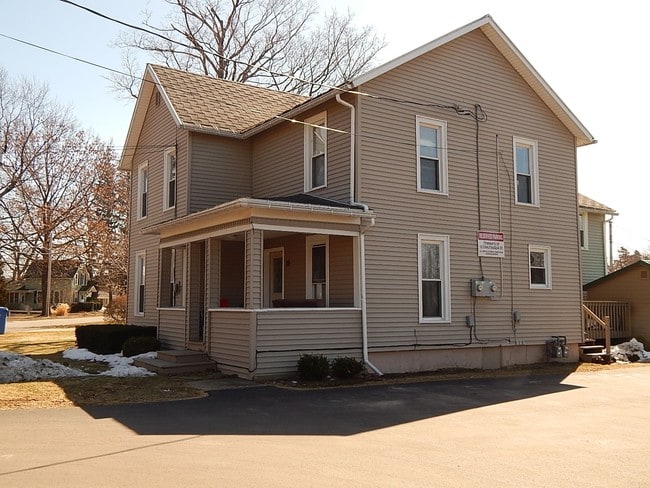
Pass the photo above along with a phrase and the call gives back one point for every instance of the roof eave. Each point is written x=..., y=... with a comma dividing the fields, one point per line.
x=494, y=33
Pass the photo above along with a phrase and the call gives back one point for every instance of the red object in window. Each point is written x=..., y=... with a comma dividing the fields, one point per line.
x=224, y=302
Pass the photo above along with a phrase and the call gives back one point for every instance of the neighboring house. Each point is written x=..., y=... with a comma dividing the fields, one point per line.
x=265, y=225
x=593, y=218
x=627, y=285
x=71, y=282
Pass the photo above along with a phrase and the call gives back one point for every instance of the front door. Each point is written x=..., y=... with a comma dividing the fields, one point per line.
x=274, y=271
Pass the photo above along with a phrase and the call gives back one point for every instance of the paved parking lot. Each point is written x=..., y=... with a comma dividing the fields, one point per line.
x=588, y=429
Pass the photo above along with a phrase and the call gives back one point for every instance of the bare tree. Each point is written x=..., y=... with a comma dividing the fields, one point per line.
x=25, y=109
x=269, y=42
x=625, y=258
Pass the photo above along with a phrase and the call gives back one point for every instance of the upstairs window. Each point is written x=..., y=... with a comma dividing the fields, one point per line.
x=316, y=152
x=432, y=155
x=583, y=224
x=169, y=190
x=540, y=266
x=526, y=184
x=143, y=187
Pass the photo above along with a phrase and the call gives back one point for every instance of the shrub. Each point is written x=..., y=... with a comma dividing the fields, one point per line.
x=138, y=345
x=313, y=367
x=346, y=367
x=108, y=339
x=60, y=309
x=85, y=307
x=116, y=310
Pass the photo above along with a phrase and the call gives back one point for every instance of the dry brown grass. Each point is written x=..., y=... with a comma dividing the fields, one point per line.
x=88, y=390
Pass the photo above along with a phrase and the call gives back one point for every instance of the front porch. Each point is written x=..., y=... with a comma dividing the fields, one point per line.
x=255, y=293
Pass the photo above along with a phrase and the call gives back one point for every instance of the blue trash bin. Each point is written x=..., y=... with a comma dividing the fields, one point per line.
x=4, y=313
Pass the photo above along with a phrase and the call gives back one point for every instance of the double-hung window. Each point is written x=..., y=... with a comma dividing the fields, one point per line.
x=540, y=266
x=432, y=155
x=143, y=188
x=434, y=284
x=140, y=268
x=526, y=171
x=316, y=152
x=169, y=190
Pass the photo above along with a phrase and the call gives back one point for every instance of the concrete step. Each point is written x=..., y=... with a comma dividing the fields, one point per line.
x=184, y=356
x=162, y=366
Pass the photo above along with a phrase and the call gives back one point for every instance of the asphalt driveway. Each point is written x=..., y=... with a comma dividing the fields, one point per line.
x=588, y=429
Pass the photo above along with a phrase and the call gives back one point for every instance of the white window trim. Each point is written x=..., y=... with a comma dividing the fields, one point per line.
x=441, y=125
x=319, y=119
x=141, y=169
x=169, y=151
x=444, y=278
x=140, y=279
x=534, y=187
x=547, y=265
x=583, y=225
x=312, y=241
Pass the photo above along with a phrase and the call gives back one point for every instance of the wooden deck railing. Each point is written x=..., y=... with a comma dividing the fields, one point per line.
x=589, y=318
x=619, y=319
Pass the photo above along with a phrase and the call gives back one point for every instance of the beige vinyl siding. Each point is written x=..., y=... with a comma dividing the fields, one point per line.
x=468, y=69
x=593, y=259
x=231, y=277
x=341, y=272
x=230, y=339
x=278, y=158
x=172, y=333
x=158, y=133
x=283, y=335
x=220, y=172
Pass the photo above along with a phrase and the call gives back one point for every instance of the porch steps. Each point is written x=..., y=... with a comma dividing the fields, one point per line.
x=176, y=362
x=590, y=352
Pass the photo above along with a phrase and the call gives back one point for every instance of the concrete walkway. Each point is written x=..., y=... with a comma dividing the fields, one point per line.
x=587, y=429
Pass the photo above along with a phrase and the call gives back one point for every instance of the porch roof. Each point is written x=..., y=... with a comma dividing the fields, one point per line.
x=316, y=211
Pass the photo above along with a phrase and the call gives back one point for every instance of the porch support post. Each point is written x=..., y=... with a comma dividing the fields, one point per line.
x=253, y=275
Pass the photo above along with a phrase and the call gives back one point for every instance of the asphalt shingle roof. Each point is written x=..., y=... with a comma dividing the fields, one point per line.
x=588, y=203
x=210, y=104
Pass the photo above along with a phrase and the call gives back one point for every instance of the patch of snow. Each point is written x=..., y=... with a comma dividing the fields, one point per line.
x=630, y=351
x=119, y=365
x=16, y=367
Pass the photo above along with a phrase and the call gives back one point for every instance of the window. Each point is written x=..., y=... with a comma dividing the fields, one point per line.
x=169, y=191
x=172, y=277
x=526, y=186
x=140, y=266
x=316, y=152
x=583, y=224
x=433, y=273
x=317, y=268
x=143, y=187
x=432, y=155
x=540, y=266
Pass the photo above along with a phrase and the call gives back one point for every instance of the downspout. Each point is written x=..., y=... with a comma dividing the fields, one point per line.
x=362, y=241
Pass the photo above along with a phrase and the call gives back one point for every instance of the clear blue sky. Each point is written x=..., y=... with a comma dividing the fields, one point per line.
x=592, y=53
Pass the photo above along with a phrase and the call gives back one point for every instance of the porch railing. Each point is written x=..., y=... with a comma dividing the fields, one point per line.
x=619, y=319
x=589, y=319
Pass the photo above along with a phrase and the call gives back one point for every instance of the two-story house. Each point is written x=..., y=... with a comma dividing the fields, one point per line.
x=595, y=234
x=421, y=216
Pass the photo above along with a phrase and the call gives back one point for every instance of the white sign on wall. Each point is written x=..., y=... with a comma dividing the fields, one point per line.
x=490, y=244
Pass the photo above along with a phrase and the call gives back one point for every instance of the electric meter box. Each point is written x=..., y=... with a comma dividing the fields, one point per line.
x=483, y=288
